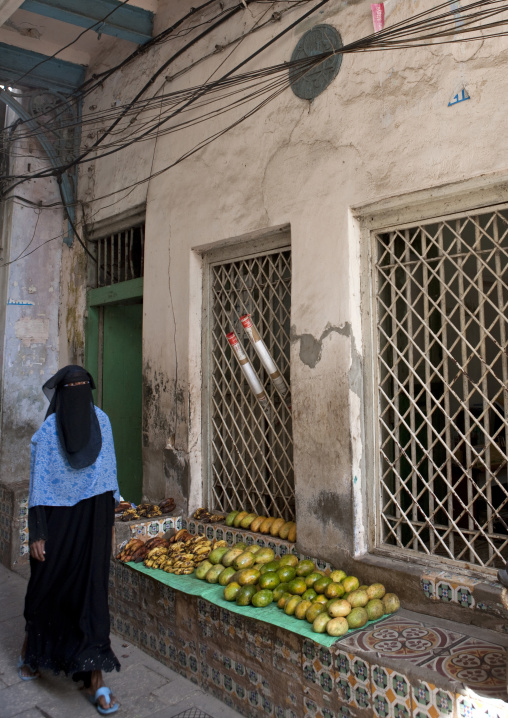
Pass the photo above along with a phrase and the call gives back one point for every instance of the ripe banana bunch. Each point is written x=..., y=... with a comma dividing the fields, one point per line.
x=181, y=557
x=130, y=549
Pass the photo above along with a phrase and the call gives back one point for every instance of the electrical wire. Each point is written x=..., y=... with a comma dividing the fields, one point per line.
x=104, y=115
x=434, y=24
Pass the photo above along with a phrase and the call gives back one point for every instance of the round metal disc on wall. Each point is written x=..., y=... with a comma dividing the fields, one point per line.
x=310, y=84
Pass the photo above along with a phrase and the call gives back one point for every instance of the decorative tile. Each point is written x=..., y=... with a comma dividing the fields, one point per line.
x=428, y=586
x=431, y=701
x=353, y=676
x=391, y=693
x=464, y=597
x=232, y=625
x=479, y=665
x=401, y=638
x=480, y=707
x=313, y=708
x=287, y=652
x=154, y=528
x=445, y=591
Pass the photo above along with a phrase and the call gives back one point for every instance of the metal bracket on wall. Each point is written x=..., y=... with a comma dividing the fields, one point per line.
x=52, y=109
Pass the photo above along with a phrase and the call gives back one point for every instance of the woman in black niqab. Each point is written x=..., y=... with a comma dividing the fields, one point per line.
x=66, y=605
x=70, y=397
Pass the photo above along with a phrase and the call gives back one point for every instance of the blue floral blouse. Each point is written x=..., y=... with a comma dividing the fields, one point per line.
x=53, y=482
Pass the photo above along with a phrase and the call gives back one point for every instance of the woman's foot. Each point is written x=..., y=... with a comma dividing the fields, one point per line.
x=103, y=702
x=25, y=672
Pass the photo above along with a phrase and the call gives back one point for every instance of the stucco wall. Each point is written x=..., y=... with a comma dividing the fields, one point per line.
x=382, y=128
x=31, y=338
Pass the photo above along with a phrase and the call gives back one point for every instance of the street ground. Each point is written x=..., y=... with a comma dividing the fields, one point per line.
x=144, y=687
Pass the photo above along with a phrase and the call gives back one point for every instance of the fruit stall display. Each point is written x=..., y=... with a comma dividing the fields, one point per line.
x=125, y=511
x=333, y=603
x=179, y=555
x=276, y=527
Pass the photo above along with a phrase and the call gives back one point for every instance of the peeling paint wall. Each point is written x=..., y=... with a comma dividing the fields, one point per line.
x=382, y=128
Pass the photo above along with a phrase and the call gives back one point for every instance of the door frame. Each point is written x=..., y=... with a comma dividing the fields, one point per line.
x=129, y=292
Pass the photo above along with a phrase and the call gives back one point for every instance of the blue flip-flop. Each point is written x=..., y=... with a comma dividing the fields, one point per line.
x=21, y=664
x=107, y=695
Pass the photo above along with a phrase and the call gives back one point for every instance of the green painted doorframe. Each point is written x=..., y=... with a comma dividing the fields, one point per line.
x=113, y=341
x=122, y=293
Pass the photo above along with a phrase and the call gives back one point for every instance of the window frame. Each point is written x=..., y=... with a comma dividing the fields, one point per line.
x=446, y=202
x=253, y=245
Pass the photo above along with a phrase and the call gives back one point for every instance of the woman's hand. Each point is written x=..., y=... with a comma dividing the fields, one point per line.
x=37, y=550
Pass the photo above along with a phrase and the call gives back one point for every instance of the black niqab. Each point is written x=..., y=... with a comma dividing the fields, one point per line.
x=76, y=422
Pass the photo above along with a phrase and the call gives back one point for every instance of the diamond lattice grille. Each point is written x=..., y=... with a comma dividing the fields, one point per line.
x=251, y=450
x=442, y=295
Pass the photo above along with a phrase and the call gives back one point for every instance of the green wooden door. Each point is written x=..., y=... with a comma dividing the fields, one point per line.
x=121, y=392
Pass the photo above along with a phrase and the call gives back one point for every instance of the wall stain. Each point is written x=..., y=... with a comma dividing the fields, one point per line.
x=330, y=508
x=156, y=422
x=311, y=348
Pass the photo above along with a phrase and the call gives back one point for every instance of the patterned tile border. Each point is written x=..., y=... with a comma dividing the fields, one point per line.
x=353, y=676
x=431, y=702
x=452, y=588
x=391, y=693
x=478, y=707
x=152, y=527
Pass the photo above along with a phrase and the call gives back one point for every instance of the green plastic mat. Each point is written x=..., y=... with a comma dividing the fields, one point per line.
x=270, y=614
x=186, y=584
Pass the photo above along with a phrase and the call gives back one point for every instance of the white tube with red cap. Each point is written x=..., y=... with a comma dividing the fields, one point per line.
x=248, y=370
x=263, y=354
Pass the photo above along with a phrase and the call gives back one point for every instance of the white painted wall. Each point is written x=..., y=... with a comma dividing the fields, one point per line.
x=382, y=128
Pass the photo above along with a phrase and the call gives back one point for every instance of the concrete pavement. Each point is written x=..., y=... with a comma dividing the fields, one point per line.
x=144, y=687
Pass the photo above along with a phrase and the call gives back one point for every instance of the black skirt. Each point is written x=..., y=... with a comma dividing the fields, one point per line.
x=66, y=605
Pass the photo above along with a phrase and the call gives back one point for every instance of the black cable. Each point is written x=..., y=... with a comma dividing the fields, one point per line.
x=361, y=45
x=84, y=155
x=376, y=37
x=12, y=261
x=69, y=218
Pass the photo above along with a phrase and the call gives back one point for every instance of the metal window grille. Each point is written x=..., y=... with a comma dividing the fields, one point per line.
x=250, y=449
x=120, y=256
x=442, y=294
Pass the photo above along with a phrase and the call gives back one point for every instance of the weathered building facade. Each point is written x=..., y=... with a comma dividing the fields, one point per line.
x=364, y=230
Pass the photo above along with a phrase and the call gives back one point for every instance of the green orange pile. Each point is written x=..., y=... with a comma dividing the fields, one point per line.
x=253, y=576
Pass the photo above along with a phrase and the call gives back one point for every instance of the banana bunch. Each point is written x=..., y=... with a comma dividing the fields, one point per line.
x=207, y=517
x=130, y=515
x=130, y=549
x=149, y=511
x=181, y=557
